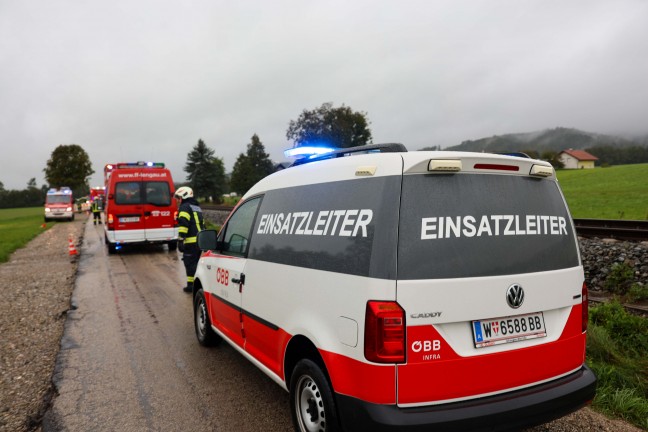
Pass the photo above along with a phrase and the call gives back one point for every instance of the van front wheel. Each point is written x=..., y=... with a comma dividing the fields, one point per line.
x=205, y=334
x=312, y=404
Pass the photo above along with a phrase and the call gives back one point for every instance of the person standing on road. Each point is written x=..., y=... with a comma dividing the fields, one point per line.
x=190, y=221
x=96, y=211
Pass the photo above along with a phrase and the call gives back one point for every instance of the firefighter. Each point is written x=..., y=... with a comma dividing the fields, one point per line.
x=96, y=211
x=190, y=222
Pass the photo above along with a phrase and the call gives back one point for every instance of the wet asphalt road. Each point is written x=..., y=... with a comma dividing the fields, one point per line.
x=129, y=358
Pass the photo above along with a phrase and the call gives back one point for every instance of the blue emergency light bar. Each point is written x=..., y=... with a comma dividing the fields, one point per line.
x=307, y=151
x=336, y=153
x=123, y=165
x=64, y=190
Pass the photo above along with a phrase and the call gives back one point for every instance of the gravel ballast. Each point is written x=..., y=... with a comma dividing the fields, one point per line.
x=37, y=285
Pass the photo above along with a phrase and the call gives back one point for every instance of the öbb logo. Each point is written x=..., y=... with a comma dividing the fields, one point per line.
x=426, y=345
x=222, y=276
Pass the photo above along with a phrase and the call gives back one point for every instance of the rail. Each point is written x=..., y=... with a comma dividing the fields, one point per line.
x=635, y=230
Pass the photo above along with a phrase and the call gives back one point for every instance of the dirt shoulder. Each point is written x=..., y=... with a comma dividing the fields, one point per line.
x=37, y=285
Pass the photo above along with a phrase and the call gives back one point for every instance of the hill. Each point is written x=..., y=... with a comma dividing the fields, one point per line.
x=549, y=140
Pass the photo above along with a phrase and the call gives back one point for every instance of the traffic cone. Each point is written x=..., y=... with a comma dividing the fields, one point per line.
x=71, y=247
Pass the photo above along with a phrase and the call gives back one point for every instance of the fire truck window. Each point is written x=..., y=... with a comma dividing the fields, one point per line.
x=157, y=193
x=127, y=193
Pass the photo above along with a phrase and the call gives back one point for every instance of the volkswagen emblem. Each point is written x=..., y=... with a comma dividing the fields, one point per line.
x=515, y=296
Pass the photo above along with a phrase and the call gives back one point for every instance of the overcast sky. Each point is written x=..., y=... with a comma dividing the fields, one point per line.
x=132, y=80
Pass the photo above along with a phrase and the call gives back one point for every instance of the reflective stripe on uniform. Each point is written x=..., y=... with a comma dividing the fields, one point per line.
x=198, y=227
x=190, y=279
x=185, y=215
x=183, y=230
x=190, y=240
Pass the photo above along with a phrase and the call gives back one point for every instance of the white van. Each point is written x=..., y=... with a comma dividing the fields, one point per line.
x=395, y=290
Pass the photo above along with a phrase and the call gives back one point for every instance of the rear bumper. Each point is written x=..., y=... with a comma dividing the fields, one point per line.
x=510, y=411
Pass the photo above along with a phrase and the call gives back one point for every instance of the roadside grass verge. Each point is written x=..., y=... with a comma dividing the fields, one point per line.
x=617, y=344
x=617, y=192
x=17, y=227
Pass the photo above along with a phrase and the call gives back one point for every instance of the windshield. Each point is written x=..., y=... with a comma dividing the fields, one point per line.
x=471, y=225
x=58, y=199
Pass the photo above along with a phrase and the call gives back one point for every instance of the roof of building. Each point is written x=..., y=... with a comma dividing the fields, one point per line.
x=581, y=155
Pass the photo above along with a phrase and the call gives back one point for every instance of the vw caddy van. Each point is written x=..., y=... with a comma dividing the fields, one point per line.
x=394, y=290
x=139, y=205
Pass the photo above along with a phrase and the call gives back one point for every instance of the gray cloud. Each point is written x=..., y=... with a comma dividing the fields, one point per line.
x=145, y=80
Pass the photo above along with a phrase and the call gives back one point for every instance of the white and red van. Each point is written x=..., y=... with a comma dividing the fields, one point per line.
x=59, y=204
x=139, y=205
x=395, y=290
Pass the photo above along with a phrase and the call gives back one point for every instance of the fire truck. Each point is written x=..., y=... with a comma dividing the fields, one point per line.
x=139, y=205
x=59, y=204
x=98, y=193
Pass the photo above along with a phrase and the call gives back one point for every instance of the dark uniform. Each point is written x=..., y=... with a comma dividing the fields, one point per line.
x=96, y=211
x=190, y=221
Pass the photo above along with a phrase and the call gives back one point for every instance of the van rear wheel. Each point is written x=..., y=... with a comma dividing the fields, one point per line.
x=312, y=404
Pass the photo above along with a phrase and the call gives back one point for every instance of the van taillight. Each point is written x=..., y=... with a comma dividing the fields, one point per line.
x=110, y=218
x=584, y=307
x=384, y=332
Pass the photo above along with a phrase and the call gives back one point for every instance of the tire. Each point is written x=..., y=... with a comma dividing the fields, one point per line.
x=312, y=405
x=173, y=245
x=202, y=324
x=110, y=246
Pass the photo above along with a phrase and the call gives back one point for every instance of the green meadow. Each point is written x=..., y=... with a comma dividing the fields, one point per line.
x=18, y=227
x=617, y=192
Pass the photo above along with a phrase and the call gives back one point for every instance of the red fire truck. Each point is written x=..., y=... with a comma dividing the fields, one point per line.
x=139, y=206
x=59, y=204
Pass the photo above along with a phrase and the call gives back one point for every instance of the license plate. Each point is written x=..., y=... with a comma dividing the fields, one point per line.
x=508, y=329
x=129, y=219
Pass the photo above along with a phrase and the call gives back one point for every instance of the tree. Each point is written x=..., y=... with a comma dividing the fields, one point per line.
x=205, y=172
x=69, y=166
x=251, y=167
x=337, y=127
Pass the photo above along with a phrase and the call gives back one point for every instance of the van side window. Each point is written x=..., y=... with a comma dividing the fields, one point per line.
x=236, y=235
x=157, y=193
x=127, y=193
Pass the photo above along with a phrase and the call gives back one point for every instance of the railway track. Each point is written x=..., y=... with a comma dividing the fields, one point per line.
x=633, y=230
x=633, y=308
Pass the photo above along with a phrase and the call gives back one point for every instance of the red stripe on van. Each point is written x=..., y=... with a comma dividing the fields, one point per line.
x=450, y=376
x=370, y=382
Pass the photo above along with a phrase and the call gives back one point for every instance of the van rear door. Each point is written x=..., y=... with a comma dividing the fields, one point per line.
x=129, y=223
x=158, y=210
x=489, y=277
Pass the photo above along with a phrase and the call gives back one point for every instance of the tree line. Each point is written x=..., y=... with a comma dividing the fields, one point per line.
x=327, y=125
x=69, y=165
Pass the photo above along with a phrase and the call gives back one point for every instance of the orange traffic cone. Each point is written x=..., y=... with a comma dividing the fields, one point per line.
x=71, y=247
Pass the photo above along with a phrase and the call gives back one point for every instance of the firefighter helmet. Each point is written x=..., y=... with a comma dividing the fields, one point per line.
x=184, y=192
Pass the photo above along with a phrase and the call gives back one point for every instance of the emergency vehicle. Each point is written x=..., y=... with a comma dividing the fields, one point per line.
x=394, y=290
x=59, y=204
x=139, y=206
x=98, y=193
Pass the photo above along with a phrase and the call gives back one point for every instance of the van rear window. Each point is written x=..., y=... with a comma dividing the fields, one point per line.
x=152, y=192
x=471, y=225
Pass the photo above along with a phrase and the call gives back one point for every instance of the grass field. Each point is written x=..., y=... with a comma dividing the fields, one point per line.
x=617, y=192
x=19, y=226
